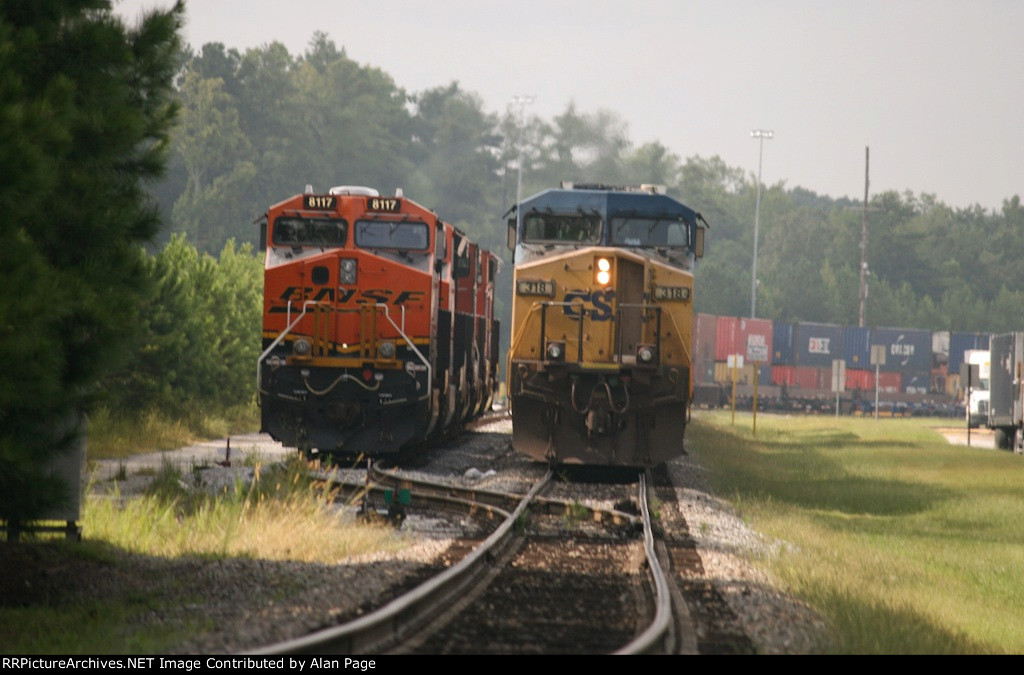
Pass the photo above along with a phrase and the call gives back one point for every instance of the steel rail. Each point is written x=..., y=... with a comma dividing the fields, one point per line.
x=654, y=640
x=405, y=614
x=546, y=505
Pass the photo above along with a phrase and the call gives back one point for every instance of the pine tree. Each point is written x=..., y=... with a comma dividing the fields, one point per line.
x=86, y=105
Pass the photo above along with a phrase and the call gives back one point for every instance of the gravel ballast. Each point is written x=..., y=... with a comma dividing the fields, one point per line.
x=234, y=605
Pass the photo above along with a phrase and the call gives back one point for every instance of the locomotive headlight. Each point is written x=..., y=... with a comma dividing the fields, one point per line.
x=603, y=268
x=556, y=351
x=387, y=350
x=348, y=271
x=302, y=347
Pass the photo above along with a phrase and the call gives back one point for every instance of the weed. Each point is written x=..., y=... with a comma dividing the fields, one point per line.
x=575, y=513
x=522, y=522
x=254, y=458
x=655, y=508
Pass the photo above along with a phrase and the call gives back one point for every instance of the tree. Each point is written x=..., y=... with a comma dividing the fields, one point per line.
x=85, y=112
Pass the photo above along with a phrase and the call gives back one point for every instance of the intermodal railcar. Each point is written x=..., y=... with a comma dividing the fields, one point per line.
x=599, y=366
x=378, y=324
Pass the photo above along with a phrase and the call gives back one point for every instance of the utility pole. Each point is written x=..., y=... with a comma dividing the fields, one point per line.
x=864, y=242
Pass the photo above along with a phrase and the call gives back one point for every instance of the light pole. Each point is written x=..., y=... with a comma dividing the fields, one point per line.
x=760, y=135
x=522, y=101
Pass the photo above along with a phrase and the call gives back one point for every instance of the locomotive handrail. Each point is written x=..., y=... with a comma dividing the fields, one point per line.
x=522, y=328
x=277, y=341
x=408, y=341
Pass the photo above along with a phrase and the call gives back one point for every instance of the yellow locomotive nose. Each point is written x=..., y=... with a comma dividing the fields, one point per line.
x=603, y=267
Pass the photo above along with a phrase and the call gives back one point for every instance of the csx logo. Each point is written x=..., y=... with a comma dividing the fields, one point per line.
x=596, y=305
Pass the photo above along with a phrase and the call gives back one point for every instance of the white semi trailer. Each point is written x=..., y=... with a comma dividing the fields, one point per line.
x=977, y=397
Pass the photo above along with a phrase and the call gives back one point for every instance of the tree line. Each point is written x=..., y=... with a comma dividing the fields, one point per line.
x=258, y=126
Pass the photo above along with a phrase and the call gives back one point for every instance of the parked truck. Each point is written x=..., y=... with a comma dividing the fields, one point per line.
x=1005, y=415
x=977, y=396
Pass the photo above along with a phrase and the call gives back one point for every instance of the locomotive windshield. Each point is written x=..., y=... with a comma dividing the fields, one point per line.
x=391, y=234
x=309, y=232
x=635, y=231
x=549, y=227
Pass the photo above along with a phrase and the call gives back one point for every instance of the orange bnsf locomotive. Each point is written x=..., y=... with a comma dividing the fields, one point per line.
x=599, y=364
x=378, y=324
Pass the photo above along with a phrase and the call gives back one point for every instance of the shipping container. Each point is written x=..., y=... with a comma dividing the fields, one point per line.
x=916, y=383
x=704, y=339
x=857, y=346
x=784, y=376
x=859, y=379
x=783, y=353
x=817, y=344
x=725, y=337
x=746, y=337
x=961, y=342
x=940, y=348
x=907, y=350
x=889, y=382
x=808, y=377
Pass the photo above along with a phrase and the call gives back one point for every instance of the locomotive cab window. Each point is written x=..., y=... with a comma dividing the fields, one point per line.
x=309, y=232
x=556, y=227
x=404, y=236
x=655, y=232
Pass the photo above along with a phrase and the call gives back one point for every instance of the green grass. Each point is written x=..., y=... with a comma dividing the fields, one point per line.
x=907, y=544
x=46, y=606
x=113, y=436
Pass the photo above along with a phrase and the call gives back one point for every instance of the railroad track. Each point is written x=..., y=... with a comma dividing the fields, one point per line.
x=573, y=579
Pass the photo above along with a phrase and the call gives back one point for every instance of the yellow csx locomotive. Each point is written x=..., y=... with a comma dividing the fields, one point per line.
x=599, y=362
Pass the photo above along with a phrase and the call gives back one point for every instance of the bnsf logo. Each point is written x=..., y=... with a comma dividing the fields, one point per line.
x=595, y=306
x=343, y=296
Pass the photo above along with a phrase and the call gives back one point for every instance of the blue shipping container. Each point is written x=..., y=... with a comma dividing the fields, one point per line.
x=961, y=342
x=783, y=353
x=817, y=344
x=907, y=350
x=857, y=347
x=916, y=383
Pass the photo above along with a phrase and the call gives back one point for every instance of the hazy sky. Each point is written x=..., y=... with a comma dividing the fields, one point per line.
x=935, y=88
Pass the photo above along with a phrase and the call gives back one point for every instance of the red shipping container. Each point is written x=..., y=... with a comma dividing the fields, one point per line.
x=859, y=379
x=739, y=336
x=890, y=383
x=813, y=378
x=784, y=375
x=725, y=336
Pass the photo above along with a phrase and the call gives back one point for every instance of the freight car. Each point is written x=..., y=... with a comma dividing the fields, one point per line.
x=599, y=364
x=378, y=324
x=919, y=376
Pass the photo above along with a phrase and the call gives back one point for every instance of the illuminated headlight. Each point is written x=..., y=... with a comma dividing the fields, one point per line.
x=348, y=271
x=556, y=351
x=387, y=350
x=645, y=354
x=302, y=347
x=604, y=271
